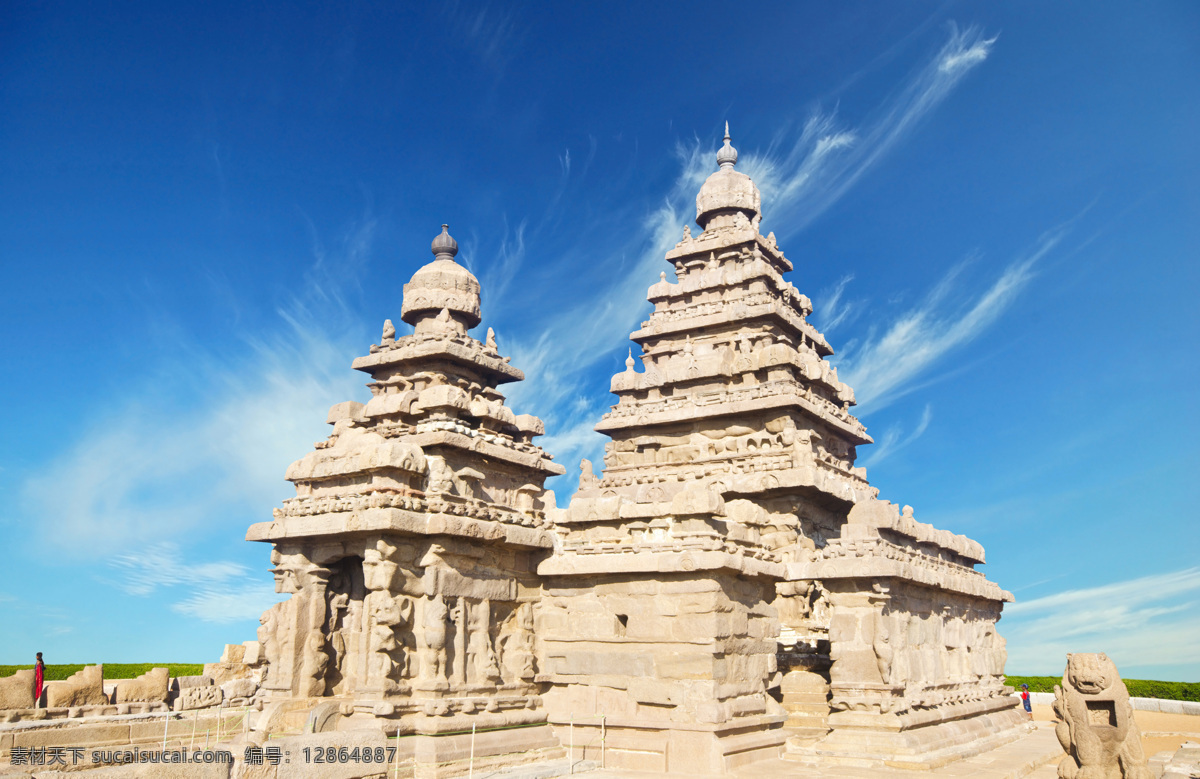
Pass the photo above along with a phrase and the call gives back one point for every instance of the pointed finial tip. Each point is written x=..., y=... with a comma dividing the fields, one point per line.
x=444, y=245
x=727, y=155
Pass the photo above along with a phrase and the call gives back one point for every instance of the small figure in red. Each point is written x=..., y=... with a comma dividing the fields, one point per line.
x=39, y=675
x=1025, y=700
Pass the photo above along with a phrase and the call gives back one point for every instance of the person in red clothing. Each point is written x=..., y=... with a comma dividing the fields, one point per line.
x=1025, y=700
x=39, y=675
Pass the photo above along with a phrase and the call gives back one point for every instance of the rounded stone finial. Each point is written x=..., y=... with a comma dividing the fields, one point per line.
x=441, y=289
x=629, y=360
x=444, y=247
x=727, y=155
x=728, y=196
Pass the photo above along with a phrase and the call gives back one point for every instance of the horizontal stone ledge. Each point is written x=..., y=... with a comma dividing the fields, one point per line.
x=1164, y=705
x=423, y=350
x=756, y=721
x=883, y=568
x=611, y=423
x=433, y=438
x=393, y=520
x=651, y=643
x=657, y=562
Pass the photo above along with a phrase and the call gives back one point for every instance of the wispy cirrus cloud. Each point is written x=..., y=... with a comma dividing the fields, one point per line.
x=1151, y=621
x=492, y=33
x=801, y=174
x=834, y=309
x=164, y=466
x=220, y=592
x=894, y=439
x=883, y=366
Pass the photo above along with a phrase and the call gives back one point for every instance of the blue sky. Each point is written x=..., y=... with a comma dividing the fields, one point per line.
x=207, y=211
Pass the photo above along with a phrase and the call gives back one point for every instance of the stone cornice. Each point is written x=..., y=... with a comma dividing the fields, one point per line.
x=397, y=520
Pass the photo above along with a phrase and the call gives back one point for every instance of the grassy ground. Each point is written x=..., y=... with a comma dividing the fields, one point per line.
x=1138, y=688
x=111, y=670
x=1141, y=688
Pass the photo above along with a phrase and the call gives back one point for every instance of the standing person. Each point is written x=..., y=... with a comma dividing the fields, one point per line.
x=39, y=676
x=1025, y=700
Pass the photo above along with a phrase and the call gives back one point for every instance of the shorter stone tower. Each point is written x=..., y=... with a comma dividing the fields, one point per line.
x=410, y=548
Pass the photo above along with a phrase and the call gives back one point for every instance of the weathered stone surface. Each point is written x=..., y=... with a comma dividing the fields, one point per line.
x=1097, y=729
x=16, y=691
x=201, y=680
x=239, y=688
x=198, y=698
x=83, y=688
x=223, y=672
x=150, y=686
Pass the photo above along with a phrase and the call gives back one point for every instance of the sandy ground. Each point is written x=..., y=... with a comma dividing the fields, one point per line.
x=1160, y=732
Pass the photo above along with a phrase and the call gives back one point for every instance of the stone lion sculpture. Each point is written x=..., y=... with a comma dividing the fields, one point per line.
x=1096, y=727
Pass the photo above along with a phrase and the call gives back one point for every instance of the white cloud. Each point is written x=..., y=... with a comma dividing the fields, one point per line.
x=492, y=34
x=245, y=602
x=893, y=440
x=883, y=366
x=832, y=308
x=816, y=168
x=825, y=160
x=220, y=592
x=161, y=565
x=164, y=466
x=1148, y=621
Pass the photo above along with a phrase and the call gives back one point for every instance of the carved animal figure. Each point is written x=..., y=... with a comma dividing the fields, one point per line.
x=1097, y=730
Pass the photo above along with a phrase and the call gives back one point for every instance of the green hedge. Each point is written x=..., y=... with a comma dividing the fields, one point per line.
x=56, y=673
x=1138, y=688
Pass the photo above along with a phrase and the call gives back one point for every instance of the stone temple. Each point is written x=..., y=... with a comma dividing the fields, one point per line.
x=728, y=589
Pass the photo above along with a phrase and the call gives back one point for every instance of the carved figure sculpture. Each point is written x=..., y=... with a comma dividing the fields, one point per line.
x=586, y=476
x=388, y=615
x=316, y=663
x=269, y=622
x=517, y=645
x=883, y=652
x=441, y=478
x=483, y=666
x=1097, y=730
x=432, y=646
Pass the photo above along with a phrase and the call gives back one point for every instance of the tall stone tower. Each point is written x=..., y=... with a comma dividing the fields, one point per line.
x=731, y=581
x=411, y=545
